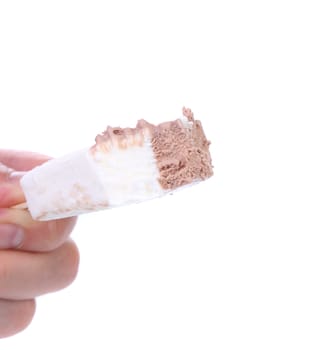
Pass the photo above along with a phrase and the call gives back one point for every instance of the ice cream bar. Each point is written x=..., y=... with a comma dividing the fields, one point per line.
x=124, y=166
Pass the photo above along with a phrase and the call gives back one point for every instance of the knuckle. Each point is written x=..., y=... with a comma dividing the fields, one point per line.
x=69, y=263
x=4, y=271
x=58, y=231
x=51, y=234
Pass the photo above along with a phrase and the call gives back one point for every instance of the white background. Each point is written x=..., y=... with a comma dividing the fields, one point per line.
x=234, y=263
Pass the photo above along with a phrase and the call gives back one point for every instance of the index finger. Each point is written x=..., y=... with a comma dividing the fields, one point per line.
x=21, y=160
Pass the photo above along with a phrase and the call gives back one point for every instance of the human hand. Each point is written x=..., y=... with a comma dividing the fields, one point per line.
x=35, y=257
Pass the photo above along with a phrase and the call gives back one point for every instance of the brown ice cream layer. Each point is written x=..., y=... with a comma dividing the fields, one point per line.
x=181, y=151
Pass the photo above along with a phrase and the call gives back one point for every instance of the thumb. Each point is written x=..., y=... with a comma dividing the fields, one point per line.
x=10, y=191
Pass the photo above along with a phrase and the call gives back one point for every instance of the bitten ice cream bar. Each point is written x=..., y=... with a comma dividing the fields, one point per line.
x=126, y=165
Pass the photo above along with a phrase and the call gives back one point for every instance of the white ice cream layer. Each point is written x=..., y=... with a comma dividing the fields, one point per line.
x=128, y=175
x=79, y=183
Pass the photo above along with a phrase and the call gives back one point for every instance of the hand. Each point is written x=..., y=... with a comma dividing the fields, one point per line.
x=35, y=257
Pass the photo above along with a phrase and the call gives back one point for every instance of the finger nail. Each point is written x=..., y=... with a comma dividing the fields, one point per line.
x=11, y=236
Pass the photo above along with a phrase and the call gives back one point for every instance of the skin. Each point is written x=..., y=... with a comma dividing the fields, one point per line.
x=35, y=257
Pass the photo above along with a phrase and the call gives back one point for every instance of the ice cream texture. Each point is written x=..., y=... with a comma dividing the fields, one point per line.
x=124, y=166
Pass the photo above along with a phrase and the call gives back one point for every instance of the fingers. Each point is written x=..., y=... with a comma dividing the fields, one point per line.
x=42, y=262
x=15, y=316
x=21, y=160
x=31, y=235
x=25, y=275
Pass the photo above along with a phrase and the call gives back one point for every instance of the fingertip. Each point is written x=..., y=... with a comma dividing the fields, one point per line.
x=64, y=266
x=28, y=311
x=22, y=160
x=72, y=261
x=15, y=316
